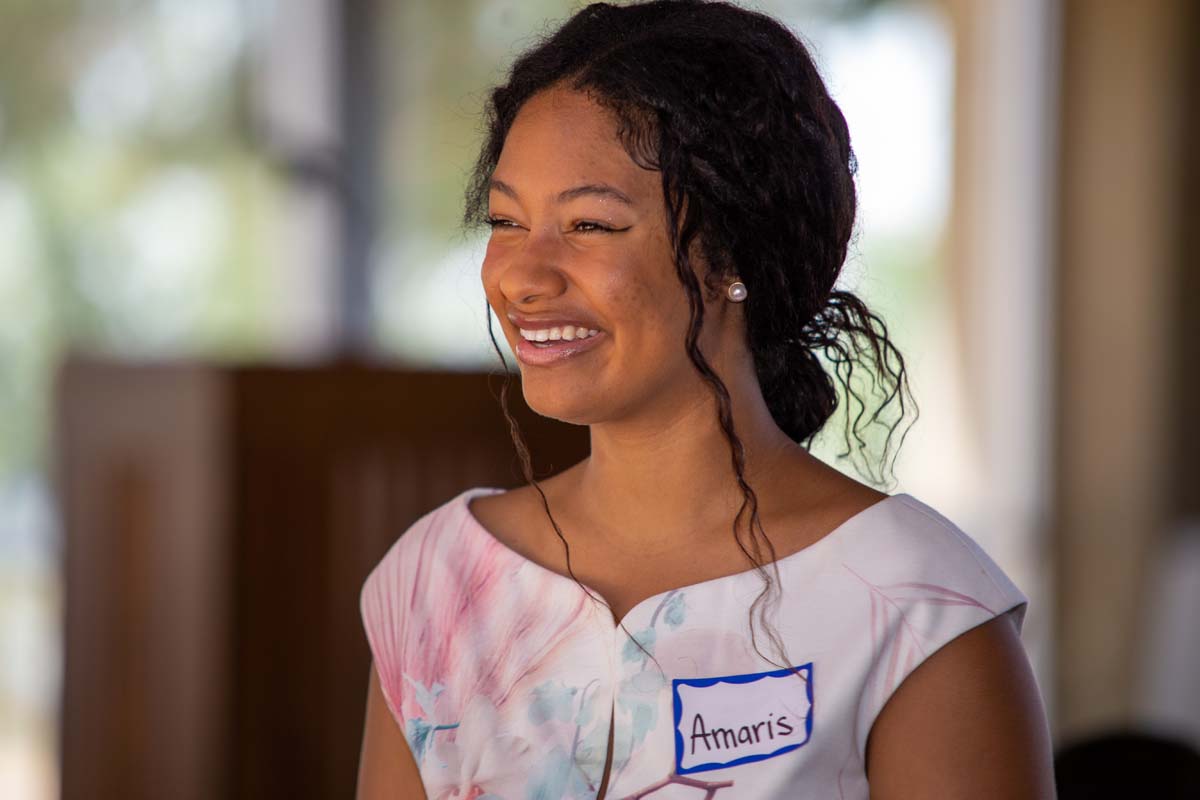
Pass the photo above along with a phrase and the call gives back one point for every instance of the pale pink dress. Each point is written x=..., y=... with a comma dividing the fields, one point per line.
x=504, y=676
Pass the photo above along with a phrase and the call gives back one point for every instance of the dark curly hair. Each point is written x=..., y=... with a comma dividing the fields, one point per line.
x=758, y=171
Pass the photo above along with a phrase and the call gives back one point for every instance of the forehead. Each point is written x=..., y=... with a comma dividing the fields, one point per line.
x=563, y=137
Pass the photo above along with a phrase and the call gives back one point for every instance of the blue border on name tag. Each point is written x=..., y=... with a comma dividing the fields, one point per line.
x=677, y=702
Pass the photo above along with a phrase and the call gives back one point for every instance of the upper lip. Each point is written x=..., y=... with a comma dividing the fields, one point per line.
x=545, y=323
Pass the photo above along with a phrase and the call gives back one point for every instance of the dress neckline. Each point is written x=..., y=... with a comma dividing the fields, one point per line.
x=840, y=531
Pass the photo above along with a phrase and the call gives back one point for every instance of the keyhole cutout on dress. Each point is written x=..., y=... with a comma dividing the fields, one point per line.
x=609, y=758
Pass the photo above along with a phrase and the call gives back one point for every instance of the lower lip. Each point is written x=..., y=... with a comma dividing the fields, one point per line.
x=555, y=352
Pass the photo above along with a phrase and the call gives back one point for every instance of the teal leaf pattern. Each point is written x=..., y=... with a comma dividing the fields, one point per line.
x=425, y=696
x=556, y=778
x=674, y=610
x=631, y=652
x=418, y=734
x=552, y=700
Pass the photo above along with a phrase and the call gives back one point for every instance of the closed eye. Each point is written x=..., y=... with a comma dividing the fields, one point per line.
x=595, y=227
x=583, y=226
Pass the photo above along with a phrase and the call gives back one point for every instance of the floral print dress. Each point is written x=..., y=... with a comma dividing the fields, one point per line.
x=505, y=677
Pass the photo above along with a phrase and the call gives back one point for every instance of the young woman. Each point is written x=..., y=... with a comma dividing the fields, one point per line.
x=700, y=607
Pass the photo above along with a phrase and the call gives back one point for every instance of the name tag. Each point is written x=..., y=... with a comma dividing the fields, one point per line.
x=736, y=719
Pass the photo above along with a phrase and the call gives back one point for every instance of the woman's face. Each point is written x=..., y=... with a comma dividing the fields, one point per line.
x=580, y=235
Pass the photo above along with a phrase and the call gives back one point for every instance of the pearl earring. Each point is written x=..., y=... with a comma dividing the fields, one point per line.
x=736, y=291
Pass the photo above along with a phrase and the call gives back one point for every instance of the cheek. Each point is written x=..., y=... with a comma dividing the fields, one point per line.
x=652, y=310
x=643, y=281
x=630, y=296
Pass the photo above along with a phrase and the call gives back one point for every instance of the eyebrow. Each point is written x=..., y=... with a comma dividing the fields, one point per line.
x=597, y=189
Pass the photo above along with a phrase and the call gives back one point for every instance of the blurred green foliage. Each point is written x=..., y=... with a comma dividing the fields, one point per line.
x=127, y=186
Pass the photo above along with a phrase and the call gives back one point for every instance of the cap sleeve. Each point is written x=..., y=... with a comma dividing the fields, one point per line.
x=928, y=582
x=383, y=623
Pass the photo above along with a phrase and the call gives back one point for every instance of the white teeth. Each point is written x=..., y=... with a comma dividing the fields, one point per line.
x=567, y=332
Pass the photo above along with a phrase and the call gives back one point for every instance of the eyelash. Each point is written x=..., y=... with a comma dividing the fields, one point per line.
x=496, y=222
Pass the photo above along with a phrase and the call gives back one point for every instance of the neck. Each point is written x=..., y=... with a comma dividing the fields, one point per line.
x=671, y=474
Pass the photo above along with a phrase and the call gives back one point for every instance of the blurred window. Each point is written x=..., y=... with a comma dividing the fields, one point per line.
x=133, y=211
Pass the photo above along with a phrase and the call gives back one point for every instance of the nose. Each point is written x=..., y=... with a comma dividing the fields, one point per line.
x=532, y=269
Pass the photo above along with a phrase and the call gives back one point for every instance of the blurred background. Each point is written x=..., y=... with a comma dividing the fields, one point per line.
x=241, y=325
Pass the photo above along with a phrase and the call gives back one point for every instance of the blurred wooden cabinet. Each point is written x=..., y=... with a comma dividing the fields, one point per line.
x=219, y=523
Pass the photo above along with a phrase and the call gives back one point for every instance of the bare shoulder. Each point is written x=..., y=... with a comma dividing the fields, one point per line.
x=967, y=723
x=828, y=498
x=517, y=516
x=505, y=514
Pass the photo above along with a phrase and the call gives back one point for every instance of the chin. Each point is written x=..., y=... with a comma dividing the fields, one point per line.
x=574, y=405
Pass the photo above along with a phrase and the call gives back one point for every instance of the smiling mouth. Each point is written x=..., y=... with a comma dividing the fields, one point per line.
x=568, y=333
x=555, y=351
